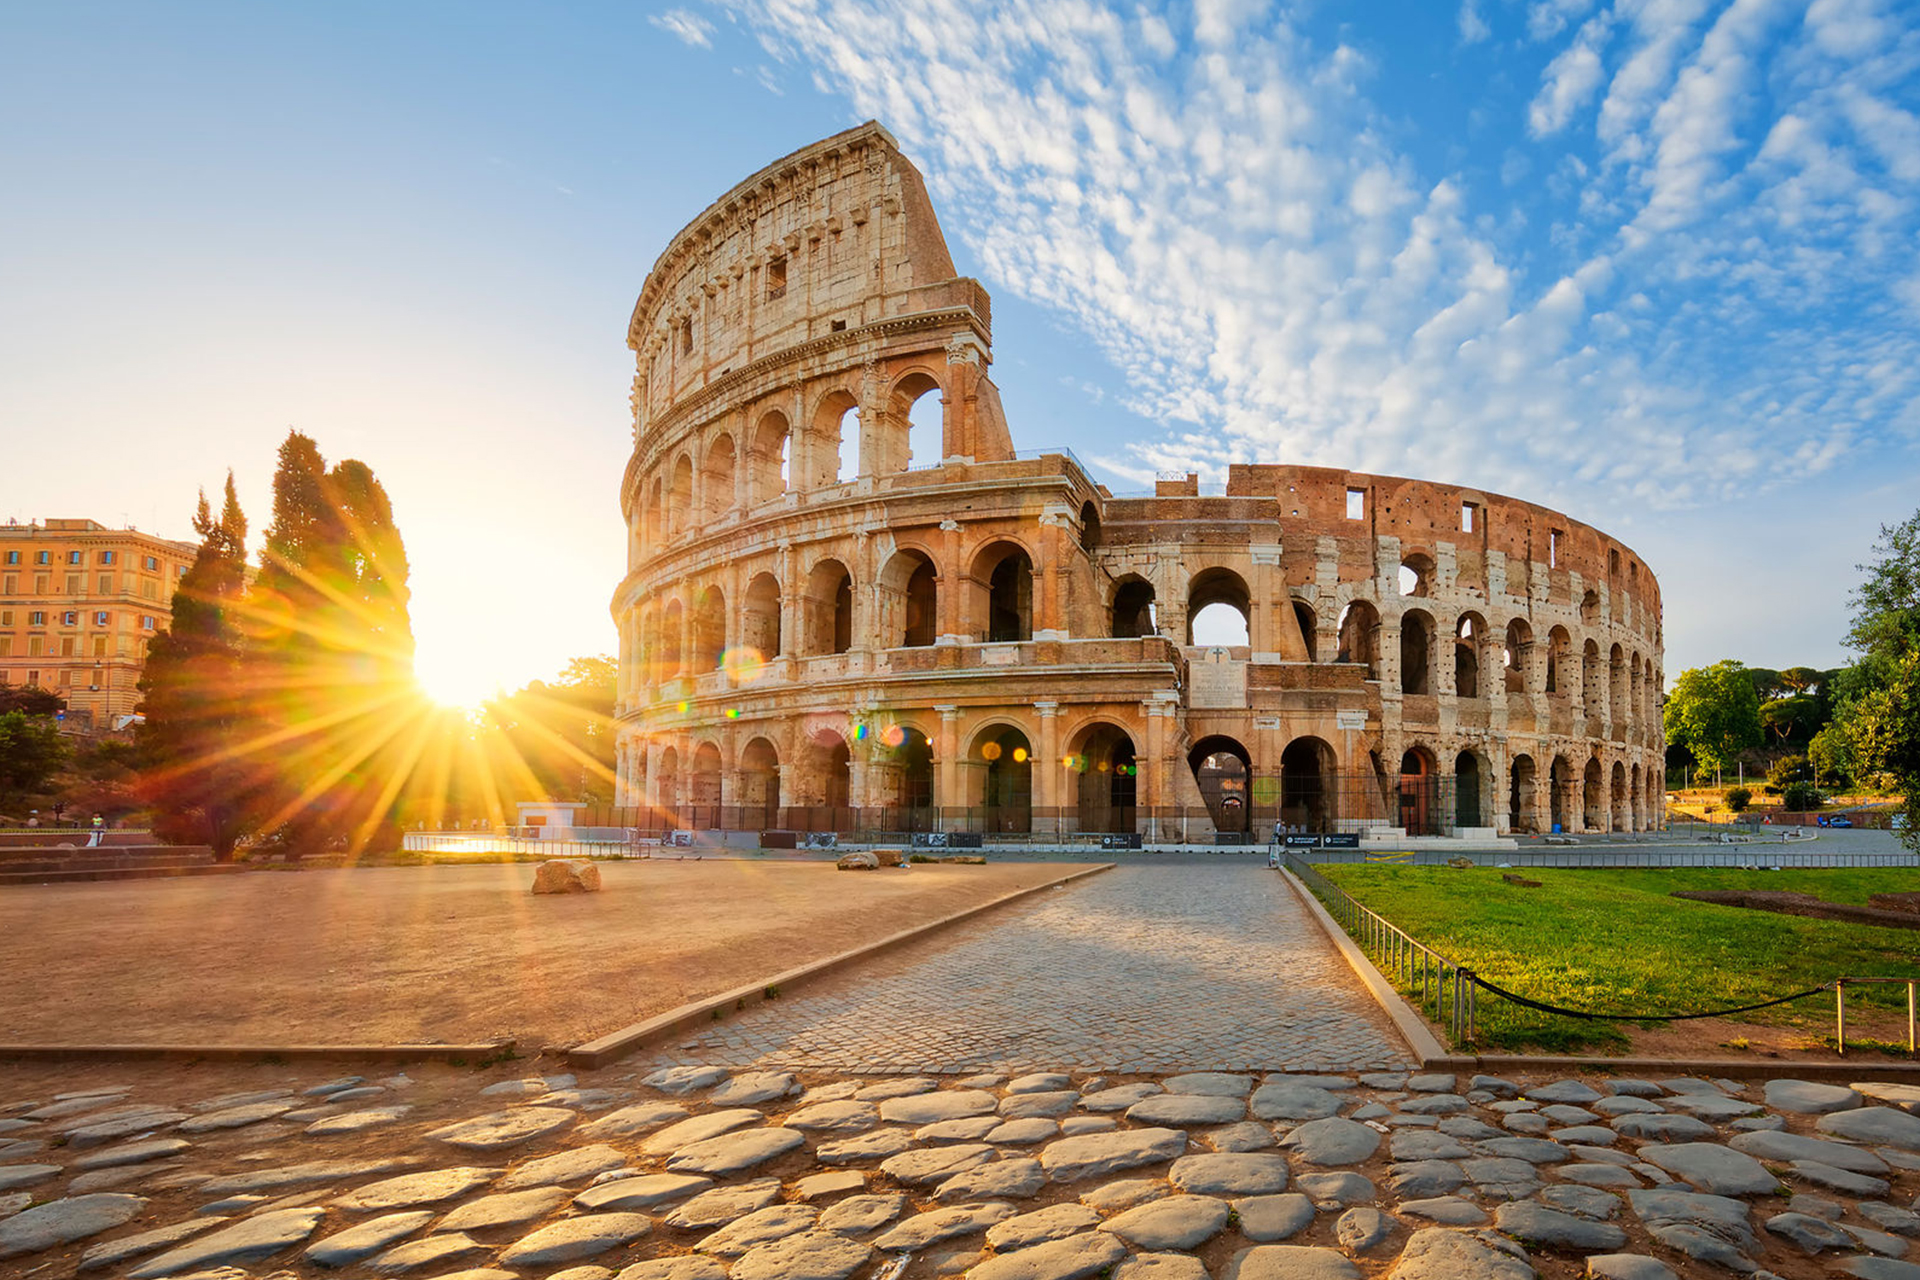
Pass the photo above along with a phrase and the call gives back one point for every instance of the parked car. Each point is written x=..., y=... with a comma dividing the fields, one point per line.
x=1836, y=820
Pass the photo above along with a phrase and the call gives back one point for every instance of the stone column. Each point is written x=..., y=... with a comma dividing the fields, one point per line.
x=652, y=798
x=946, y=760
x=1046, y=769
x=952, y=585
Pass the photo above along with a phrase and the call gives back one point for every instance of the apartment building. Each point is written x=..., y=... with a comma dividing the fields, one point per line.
x=78, y=604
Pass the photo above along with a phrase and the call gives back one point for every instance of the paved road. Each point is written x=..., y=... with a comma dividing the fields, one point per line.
x=1192, y=965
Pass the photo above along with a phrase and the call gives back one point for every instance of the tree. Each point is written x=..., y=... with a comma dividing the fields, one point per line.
x=1714, y=712
x=330, y=656
x=1879, y=712
x=561, y=731
x=199, y=776
x=31, y=752
x=30, y=699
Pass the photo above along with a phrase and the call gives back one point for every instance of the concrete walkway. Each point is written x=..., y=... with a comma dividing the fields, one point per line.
x=1209, y=964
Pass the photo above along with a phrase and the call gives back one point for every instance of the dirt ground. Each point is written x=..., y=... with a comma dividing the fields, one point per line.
x=450, y=954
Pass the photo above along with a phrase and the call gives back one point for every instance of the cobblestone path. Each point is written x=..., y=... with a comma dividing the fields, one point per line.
x=1204, y=965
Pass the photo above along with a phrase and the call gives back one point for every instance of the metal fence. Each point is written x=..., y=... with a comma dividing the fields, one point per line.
x=1429, y=977
x=1770, y=855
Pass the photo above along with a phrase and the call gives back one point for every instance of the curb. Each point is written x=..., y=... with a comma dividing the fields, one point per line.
x=1731, y=1068
x=618, y=1044
x=291, y=1052
x=1412, y=1028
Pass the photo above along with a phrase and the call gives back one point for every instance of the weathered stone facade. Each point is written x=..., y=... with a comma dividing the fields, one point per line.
x=995, y=641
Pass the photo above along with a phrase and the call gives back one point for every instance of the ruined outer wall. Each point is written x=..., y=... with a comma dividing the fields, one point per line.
x=783, y=597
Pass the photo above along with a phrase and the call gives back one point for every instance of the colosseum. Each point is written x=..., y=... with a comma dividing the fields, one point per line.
x=852, y=605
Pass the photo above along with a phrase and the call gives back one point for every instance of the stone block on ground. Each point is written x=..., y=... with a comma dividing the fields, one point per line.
x=858, y=861
x=1289, y=1262
x=1076, y=1257
x=566, y=876
x=63, y=1221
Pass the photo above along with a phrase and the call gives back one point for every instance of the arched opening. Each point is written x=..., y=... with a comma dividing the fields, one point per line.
x=771, y=458
x=1590, y=608
x=1003, y=592
x=1224, y=772
x=833, y=445
x=1307, y=801
x=680, y=494
x=1559, y=653
x=709, y=630
x=1467, y=640
x=925, y=415
x=1638, y=799
x=656, y=513
x=1219, y=609
x=670, y=781
x=1518, y=653
x=1622, y=810
x=1133, y=613
x=1007, y=796
x=828, y=609
x=826, y=780
x=1089, y=527
x=716, y=477
x=1593, y=810
x=672, y=628
x=759, y=798
x=847, y=434
x=1308, y=621
x=909, y=603
x=907, y=764
x=1360, y=637
x=1416, y=652
x=1419, y=794
x=1617, y=688
x=760, y=618
x=1416, y=575
x=703, y=788
x=1560, y=792
x=1106, y=778
x=1520, y=798
x=1466, y=791
x=1636, y=692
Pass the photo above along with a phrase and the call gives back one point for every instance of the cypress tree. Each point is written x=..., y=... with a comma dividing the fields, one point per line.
x=198, y=776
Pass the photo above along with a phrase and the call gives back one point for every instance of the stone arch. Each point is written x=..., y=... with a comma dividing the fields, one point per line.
x=1617, y=688
x=1593, y=813
x=825, y=782
x=758, y=799
x=716, y=476
x=1622, y=802
x=902, y=772
x=770, y=461
x=1090, y=531
x=703, y=787
x=760, y=616
x=1001, y=590
x=1637, y=797
x=909, y=600
x=1132, y=610
x=1420, y=799
x=1559, y=654
x=1560, y=785
x=669, y=779
x=1309, y=799
x=1002, y=754
x=1416, y=652
x=709, y=630
x=918, y=404
x=1590, y=608
x=1223, y=770
x=1307, y=618
x=1469, y=642
x=1416, y=574
x=1471, y=778
x=1522, y=815
x=1516, y=657
x=1360, y=637
x=1636, y=691
x=834, y=439
x=1222, y=591
x=1102, y=764
x=680, y=494
x=827, y=609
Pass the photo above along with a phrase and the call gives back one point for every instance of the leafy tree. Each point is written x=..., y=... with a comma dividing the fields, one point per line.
x=31, y=752
x=561, y=731
x=30, y=699
x=1738, y=798
x=1714, y=712
x=330, y=656
x=1830, y=756
x=1879, y=712
x=1798, y=797
x=199, y=776
x=1789, y=769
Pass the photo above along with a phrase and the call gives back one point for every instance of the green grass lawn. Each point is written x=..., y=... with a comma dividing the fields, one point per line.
x=1615, y=941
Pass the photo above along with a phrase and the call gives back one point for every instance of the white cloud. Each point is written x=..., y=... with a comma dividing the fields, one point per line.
x=1569, y=82
x=1548, y=18
x=687, y=26
x=1473, y=27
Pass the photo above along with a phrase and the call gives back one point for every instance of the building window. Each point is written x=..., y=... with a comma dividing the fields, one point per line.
x=36, y=619
x=776, y=279
x=75, y=583
x=6, y=617
x=146, y=622
x=71, y=618
x=45, y=557
x=36, y=645
x=75, y=557
x=106, y=557
x=1553, y=549
x=153, y=564
x=99, y=646
x=13, y=557
x=100, y=618
x=66, y=650
x=106, y=584
x=1356, y=504
x=6, y=651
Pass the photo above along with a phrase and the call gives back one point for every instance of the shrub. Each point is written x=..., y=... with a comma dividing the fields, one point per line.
x=1738, y=798
x=1798, y=797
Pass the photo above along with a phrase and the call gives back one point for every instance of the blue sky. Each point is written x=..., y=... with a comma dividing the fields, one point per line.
x=1651, y=263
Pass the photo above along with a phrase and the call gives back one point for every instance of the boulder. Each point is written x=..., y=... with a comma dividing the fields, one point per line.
x=858, y=862
x=563, y=876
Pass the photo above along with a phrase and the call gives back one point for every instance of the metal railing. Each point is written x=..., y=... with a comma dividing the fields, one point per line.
x=1774, y=853
x=1417, y=969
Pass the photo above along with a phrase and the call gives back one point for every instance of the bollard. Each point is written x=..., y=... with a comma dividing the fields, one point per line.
x=1840, y=1015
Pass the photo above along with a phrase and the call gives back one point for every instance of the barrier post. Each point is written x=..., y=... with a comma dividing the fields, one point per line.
x=1840, y=1015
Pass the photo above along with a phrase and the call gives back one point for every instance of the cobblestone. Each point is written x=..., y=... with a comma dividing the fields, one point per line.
x=1086, y=977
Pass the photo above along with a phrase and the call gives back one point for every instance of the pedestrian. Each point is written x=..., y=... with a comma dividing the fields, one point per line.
x=99, y=831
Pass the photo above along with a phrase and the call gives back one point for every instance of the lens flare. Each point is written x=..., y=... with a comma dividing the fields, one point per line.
x=743, y=664
x=1019, y=755
x=990, y=751
x=894, y=735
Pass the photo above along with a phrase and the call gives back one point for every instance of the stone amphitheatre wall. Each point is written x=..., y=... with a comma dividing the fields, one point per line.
x=825, y=626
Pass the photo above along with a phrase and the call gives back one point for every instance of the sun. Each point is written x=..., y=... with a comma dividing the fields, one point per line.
x=456, y=684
